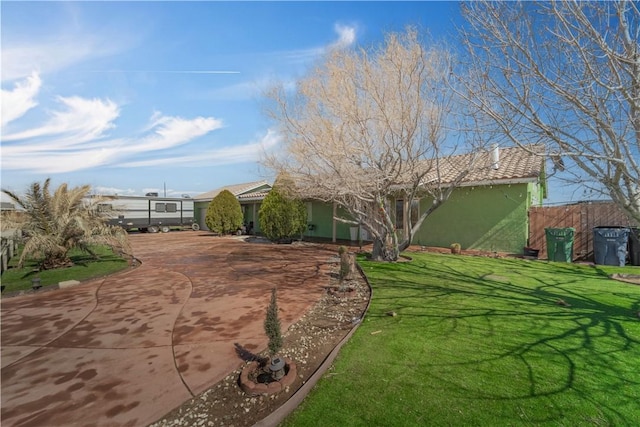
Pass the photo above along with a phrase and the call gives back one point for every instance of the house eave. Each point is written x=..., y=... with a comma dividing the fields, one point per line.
x=527, y=180
x=481, y=183
x=251, y=199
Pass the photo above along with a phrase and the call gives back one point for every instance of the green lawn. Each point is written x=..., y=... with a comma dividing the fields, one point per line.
x=86, y=267
x=484, y=342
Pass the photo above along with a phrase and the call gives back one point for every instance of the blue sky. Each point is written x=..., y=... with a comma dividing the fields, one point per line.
x=132, y=96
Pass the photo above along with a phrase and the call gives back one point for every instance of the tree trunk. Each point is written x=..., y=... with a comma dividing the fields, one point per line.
x=347, y=266
x=376, y=254
x=381, y=251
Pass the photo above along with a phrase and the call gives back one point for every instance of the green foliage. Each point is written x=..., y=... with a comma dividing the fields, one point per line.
x=282, y=217
x=272, y=325
x=224, y=214
x=52, y=224
x=483, y=341
x=84, y=267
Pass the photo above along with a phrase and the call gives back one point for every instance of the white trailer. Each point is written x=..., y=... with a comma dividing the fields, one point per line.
x=149, y=213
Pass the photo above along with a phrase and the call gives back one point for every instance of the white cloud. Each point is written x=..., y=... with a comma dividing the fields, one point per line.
x=79, y=121
x=57, y=155
x=304, y=55
x=255, y=88
x=20, y=59
x=113, y=190
x=57, y=161
x=169, y=192
x=223, y=156
x=346, y=36
x=238, y=91
x=74, y=138
x=16, y=102
x=169, y=132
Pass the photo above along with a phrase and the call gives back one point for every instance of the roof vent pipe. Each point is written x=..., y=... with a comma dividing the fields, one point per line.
x=495, y=156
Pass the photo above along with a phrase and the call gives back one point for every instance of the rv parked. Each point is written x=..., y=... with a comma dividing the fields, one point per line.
x=149, y=213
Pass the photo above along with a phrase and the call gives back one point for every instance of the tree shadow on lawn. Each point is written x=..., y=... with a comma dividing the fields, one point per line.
x=506, y=315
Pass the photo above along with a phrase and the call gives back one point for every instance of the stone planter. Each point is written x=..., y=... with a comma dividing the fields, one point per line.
x=254, y=388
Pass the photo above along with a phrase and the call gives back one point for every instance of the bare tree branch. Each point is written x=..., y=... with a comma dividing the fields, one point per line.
x=366, y=127
x=566, y=74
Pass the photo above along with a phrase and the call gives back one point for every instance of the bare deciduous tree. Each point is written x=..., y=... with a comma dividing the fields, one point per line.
x=566, y=74
x=367, y=126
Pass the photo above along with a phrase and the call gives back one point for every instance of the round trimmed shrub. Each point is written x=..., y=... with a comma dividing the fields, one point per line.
x=224, y=214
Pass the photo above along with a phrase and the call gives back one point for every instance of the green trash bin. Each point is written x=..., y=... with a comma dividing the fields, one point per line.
x=560, y=244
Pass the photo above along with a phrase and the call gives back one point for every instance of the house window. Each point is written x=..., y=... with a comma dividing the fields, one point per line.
x=160, y=207
x=171, y=207
x=414, y=212
x=399, y=214
x=309, y=211
x=105, y=207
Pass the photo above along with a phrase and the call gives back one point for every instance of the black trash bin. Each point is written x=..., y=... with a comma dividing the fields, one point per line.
x=634, y=246
x=560, y=244
x=610, y=245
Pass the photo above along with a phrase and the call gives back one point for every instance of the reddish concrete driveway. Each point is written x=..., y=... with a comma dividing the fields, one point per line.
x=127, y=349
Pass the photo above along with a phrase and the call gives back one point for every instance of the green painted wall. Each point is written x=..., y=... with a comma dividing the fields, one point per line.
x=342, y=229
x=321, y=216
x=247, y=208
x=493, y=218
x=200, y=212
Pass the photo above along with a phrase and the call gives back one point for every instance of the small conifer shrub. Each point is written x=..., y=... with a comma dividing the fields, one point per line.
x=272, y=325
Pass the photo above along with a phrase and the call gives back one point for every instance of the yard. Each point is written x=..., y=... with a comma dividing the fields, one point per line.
x=85, y=267
x=457, y=340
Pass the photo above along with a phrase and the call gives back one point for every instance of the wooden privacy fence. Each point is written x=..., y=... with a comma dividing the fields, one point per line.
x=8, y=248
x=581, y=216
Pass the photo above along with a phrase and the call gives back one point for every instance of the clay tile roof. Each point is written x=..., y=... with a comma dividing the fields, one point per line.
x=515, y=164
x=254, y=195
x=238, y=190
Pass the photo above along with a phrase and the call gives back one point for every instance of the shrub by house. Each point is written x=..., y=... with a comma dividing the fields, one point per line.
x=224, y=214
x=282, y=217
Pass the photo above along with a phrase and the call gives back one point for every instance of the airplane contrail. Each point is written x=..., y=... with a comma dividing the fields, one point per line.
x=169, y=71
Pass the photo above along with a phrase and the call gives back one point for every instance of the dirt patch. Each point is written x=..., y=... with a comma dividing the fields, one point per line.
x=471, y=252
x=627, y=278
x=307, y=342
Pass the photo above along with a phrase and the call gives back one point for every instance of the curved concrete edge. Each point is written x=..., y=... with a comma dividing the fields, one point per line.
x=277, y=416
x=70, y=283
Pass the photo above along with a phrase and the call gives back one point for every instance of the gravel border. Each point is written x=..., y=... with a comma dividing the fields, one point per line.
x=277, y=416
